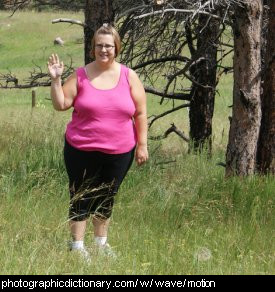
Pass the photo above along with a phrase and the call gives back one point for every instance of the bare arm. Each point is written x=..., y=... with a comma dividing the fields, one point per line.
x=62, y=97
x=140, y=117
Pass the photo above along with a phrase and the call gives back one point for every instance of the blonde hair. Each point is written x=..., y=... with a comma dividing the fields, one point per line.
x=107, y=29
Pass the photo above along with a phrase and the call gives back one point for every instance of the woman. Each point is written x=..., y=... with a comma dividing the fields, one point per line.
x=108, y=128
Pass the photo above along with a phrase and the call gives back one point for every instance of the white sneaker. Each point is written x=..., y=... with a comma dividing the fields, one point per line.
x=82, y=251
x=106, y=250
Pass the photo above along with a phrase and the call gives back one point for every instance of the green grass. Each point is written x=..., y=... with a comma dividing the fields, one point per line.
x=179, y=217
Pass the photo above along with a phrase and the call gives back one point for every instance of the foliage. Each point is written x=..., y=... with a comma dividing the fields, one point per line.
x=42, y=5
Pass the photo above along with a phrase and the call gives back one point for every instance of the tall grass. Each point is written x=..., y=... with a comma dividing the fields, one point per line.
x=175, y=215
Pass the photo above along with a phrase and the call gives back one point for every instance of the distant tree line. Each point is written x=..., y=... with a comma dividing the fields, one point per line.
x=40, y=5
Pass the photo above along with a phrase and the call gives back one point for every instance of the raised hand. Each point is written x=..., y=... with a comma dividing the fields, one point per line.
x=55, y=67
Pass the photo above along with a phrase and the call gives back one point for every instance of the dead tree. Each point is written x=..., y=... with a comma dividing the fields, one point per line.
x=97, y=12
x=246, y=115
x=157, y=34
x=203, y=90
x=266, y=143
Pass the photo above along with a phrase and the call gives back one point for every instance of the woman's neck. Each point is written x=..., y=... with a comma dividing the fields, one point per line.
x=100, y=67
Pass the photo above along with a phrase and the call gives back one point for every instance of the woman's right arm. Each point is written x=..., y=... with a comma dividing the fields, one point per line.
x=62, y=96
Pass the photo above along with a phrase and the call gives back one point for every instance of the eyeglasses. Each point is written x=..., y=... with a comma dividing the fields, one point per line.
x=107, y=47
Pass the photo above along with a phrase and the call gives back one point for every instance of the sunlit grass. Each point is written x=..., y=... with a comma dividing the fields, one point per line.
x=164, y=216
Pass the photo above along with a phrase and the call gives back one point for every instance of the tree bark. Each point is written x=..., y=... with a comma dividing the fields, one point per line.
x=266, y=145
x=204, y=72
x=246, y=115
x=97, y=12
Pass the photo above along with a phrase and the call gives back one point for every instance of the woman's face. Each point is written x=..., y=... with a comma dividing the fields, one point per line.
x=105, y=48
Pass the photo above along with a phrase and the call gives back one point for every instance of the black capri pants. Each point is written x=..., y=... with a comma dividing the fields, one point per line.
x=94, y=179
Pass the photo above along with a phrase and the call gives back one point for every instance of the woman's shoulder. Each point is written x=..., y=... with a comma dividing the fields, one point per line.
x=129, y=71
x=125, y=67
x=132, y=75
x=80, y=70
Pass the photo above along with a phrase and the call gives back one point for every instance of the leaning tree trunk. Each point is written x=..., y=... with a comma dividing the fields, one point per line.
x=203, y=96
x=97, y=12
x=266, y=145
x=246, y=115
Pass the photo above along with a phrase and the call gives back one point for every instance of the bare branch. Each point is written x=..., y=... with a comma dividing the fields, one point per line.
x=167, y=113
x=37, y=79
x=179, y=96
x=221, y=164
x=177, y=11
x=8, y=78
x=16, y=5
x=195, y=82
x=226, y=45
x=189, y=38
x=172, y=129
x=223, y=56
x=131, y=10
x=73, y=21
x=183, y=72
x=162, y=60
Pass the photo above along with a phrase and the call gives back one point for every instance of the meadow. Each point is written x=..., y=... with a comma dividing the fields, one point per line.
x=175, y=215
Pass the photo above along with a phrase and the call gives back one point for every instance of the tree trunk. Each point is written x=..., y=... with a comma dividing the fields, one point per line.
x=246, y=115
x=4, y=4
x=97, y=12
x=204, y=72
x=266, y=145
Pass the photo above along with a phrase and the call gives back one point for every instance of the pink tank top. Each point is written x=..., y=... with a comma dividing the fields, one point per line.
x=102, y=120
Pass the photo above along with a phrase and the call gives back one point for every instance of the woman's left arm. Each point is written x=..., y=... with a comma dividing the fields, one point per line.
x=140, y=117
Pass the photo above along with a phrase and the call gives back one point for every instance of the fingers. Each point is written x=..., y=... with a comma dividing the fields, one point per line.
x=55, y=66
x=141, y=159
x=140, y=162
x=54, y=59
x=57, y=59
x=141, y=155
x=51, y=59
x=49, y=65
